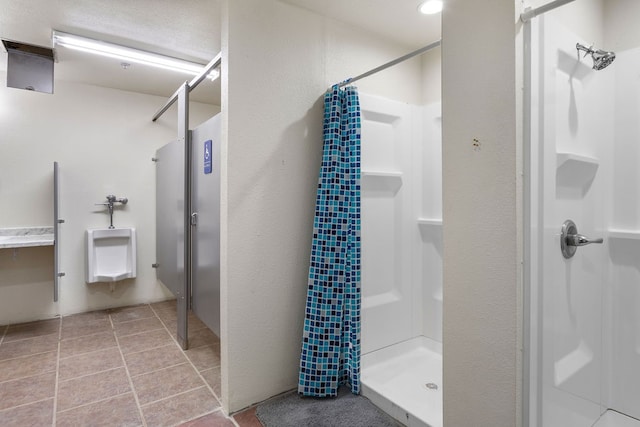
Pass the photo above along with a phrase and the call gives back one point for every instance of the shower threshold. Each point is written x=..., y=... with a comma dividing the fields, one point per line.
x=405, y=381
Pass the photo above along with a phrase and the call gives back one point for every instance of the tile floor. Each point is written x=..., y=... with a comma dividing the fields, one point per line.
x=119, y=367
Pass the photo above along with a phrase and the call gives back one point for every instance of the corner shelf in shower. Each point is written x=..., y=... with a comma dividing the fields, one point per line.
x=429, y=223
x=430, y=229
x=379, y=180
x=576, y=165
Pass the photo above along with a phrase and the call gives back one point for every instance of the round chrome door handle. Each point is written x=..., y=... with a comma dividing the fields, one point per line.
x=570, y=239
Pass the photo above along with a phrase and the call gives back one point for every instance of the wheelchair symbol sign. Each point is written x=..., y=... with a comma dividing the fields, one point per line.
x=208, y=163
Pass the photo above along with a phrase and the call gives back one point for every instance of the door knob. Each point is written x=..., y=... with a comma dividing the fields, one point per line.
x=570, y=239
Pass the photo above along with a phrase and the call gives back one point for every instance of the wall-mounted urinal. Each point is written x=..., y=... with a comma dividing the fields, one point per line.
x=111, y=254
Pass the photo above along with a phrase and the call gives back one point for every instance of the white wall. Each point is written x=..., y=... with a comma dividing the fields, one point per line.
x=621, y=24
x=278, y=60
x=103, y=140
x=431, y=77
x=482, y=232
x=583, y=17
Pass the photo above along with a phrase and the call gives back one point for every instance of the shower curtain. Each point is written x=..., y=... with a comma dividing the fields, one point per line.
x=331, y=338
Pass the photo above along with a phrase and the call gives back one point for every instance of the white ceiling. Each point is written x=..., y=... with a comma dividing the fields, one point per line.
x=397, y=20
x=187, y=29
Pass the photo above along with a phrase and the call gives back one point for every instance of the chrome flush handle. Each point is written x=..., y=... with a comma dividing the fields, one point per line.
x=570, y=239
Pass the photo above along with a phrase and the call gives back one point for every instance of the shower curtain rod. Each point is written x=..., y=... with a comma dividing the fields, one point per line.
x=532, y=13
x=214, y=63
x=392, y=63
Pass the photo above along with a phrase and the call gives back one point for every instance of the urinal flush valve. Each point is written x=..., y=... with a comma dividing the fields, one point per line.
x=111, y=200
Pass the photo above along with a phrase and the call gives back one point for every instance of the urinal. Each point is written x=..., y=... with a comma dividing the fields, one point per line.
x=111, y=254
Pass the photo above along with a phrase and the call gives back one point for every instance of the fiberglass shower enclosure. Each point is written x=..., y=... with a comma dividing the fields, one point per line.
x=402, y=259
x=583, y=155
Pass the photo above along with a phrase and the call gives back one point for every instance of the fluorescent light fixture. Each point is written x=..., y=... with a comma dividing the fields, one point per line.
x=430, y=7
x=127, y=54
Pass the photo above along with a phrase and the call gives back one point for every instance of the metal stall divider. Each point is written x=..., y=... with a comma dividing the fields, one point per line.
x=174, y=189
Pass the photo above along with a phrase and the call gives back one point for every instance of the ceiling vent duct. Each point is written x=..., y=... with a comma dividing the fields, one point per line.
x=29, y=67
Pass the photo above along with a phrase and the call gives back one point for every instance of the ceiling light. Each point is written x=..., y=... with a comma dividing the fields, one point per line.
x=128, y=54
x=430, y=7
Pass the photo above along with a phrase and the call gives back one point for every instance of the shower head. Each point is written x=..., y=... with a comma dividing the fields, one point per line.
x=601, y=58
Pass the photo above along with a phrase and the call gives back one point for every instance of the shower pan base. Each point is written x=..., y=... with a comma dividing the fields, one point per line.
x=405, y=381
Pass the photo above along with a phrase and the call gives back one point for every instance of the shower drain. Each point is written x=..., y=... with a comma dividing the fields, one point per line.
x=431, y=386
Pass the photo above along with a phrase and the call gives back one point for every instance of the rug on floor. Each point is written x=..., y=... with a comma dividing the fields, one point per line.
x=346, y=410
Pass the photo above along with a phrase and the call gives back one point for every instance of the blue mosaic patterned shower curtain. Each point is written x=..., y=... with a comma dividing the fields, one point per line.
x=331, y=339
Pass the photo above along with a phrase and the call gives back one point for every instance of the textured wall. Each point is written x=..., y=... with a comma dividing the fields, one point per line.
x=481, y=225
x=278, y=62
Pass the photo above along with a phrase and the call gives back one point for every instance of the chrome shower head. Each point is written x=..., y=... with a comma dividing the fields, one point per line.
x=601, y=58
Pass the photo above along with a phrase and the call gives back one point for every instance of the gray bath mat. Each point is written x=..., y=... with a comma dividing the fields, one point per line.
x=346, y=410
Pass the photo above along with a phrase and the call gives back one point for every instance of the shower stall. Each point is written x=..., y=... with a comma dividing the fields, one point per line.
x=402, y=259
x=582, y=278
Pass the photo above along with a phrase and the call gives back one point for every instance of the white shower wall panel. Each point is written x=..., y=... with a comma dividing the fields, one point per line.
x=624, y=289
x=401, y=222
x=429, y=197
x=572, y=118
x=387, y=291
x=402, y=259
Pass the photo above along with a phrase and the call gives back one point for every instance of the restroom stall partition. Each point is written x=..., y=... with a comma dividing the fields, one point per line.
x=583, y=354
x=188, y=214
x=203, y=225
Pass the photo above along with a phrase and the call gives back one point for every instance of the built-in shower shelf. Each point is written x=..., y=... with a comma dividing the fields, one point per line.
x=429, y=223
x=382, y=180
x=577, y=161
x=576, y=170
x=624, y=234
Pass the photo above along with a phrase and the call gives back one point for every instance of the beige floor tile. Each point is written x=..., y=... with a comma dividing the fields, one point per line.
x=154, y=359
x=165, y=305
x=119, y=411
x=172, y=327
x=204, y=357
x=166, y=382
x=84, y=318
x=28, y=366
x=87, y=344
x=27, y=390
x=91, y=388
x=136, y=326
x=77, y=329
x=201, y=337
x=32, y=329
x=195, y=323
x=126, y=314
x=181, y=408
x=167, y=315
x=34, y=414
x=89, y=363
x=29, y=346
x=212, y=377
x=145, y=341
x=92, y=382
